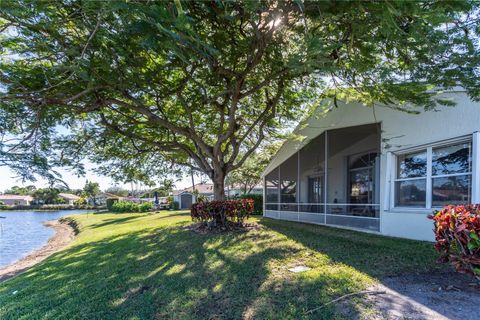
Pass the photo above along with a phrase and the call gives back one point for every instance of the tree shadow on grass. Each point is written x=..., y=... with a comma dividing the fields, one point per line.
x=406, y=267
x=129, y=218
x=116, y=221
x=173, y=273
x=375, y=255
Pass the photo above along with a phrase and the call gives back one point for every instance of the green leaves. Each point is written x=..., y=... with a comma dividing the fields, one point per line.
x=474, y=242
x=154, y=86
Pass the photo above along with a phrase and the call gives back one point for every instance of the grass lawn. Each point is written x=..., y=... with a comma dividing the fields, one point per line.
x=149, y=266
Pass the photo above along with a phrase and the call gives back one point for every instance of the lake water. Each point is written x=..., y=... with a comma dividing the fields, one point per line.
x=22, y=232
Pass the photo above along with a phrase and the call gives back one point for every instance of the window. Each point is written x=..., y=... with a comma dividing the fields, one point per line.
x=411, y=180
x=434, y=177
x=451, y=173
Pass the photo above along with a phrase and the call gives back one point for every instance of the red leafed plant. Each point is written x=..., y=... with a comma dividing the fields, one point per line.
x=457, y=235
x=222, y=214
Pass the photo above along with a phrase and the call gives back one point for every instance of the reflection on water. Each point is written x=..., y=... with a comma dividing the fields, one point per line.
x=22, y=232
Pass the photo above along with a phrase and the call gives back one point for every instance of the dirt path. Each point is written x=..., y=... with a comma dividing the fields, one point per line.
x=438, y=296
x=64, y=234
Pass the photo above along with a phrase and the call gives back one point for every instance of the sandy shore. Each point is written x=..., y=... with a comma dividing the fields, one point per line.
x=64, y=234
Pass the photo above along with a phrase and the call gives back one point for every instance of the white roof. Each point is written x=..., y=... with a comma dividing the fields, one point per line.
x=69, y=196
x=15, y=197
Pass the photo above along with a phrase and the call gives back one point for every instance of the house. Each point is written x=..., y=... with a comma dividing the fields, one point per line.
x=376, y=169
x=101, y=199
x=69, y=198
x=15, y=200
x=186, y=197
x=236, y=190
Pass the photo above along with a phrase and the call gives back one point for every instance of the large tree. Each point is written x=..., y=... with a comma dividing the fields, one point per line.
x=148, y=86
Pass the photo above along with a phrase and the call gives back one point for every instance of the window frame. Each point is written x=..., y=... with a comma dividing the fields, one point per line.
x=428, y=148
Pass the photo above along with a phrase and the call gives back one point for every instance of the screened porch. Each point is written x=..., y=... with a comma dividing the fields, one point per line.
x=333, y=180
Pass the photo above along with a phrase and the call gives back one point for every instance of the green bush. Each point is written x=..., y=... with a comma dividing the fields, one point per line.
x=122, y=206
x=82, y=201
x=110, y=202
x=202, y=198
x=128, y=206
x=258, y=202
x=174, y=205
x=145, y=207
x=60, y=200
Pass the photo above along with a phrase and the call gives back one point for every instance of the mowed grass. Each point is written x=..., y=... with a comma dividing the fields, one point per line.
x=150, y=266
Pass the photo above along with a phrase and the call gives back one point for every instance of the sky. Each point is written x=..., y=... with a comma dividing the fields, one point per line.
x=8, y=180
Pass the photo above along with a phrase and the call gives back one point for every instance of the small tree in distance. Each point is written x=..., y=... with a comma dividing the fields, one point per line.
x=91, y=190
x=248, y=176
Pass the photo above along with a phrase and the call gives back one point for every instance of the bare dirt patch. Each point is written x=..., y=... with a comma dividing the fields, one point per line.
x=64, y=234
x=446, y=295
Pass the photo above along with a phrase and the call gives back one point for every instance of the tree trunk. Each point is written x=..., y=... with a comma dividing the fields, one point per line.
x=219, y=186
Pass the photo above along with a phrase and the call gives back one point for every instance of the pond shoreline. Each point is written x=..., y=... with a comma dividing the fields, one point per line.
x=64, y=234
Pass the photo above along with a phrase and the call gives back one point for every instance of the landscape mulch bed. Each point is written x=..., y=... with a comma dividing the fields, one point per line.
x=203, y=228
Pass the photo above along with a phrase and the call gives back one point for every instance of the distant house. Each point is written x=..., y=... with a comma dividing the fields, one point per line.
x=13, y=199
x=236, y=190
x=186, y=197
x=101, y=199
x=69, y=198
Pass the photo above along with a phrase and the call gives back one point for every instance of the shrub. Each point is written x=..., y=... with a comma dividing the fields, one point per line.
x=82, y=201
x=145, y=207
x=128, y=206
x=60, y=200
x=174, y=205
x=258, y=202
x=222, y=214
x=202, y=198
x=110, y=202
x=457, y=235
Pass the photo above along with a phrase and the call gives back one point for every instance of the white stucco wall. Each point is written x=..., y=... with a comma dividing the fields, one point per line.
x=12, y=202
x=400, y=130
x=410, y=225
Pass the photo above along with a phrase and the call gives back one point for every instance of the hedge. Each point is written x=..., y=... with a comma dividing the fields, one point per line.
x=128, y=206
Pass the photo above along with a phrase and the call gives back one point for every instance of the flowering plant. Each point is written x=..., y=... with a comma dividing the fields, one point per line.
x=457, y=235
x=222, y=213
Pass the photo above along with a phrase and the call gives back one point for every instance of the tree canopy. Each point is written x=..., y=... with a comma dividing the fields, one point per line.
x=91, y=190
x=47, y=196
x=248, y=176
x=23, y=191
x=147, y=87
